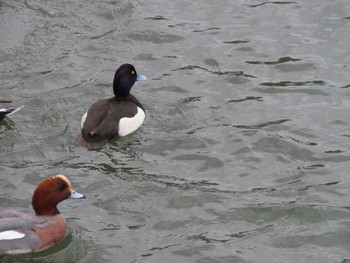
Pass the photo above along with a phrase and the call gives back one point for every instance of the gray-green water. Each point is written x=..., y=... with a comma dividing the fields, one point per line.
x=244, y=154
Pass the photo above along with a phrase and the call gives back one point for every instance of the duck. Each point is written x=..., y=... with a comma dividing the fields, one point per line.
x=22, y=233
x=117, y=116
x=7, y=111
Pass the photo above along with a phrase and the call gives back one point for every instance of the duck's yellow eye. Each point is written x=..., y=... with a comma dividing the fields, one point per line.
x=133, y=72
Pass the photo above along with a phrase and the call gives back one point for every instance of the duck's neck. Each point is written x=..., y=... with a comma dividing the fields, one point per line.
x=44, y=210
x=120, y=93
x=121, y=98
x=121, y=88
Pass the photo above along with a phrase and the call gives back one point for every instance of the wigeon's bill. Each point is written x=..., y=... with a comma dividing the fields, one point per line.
x=76, y=195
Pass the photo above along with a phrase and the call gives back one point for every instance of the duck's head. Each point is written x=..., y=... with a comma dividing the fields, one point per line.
x=124, y=79
x=50, y=192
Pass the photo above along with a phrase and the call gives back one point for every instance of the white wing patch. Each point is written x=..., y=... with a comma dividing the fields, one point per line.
x=10, y=234
x=83, y=120
x=17, y=109
x=14, y=110
x=129, y=125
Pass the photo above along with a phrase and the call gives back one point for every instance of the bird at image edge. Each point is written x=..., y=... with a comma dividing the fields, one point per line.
x=116, y=116
x=23, y=233
x=8, y=111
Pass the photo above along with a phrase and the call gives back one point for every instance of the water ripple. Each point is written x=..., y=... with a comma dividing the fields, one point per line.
x=248, y=98
x=154, y=37
x=274, y=3
x=227, y=73
x=280, y=90
x=262, y=125
x=236, y=42
x=279, y=61
x=294, y=83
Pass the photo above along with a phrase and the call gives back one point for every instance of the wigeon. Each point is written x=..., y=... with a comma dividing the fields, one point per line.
x=116, y=116
x=7, y=111
x=22, y=233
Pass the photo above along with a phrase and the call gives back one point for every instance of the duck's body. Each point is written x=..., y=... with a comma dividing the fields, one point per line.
x=116, y=116
x=29, y=232
x=22, y=233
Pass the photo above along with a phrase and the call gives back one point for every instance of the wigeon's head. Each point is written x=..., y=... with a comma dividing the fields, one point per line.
x=50, y=192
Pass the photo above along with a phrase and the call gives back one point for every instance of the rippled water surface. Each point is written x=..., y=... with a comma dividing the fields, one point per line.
x=244, y=154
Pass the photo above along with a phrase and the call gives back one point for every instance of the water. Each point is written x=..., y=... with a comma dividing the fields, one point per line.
x=244, y=153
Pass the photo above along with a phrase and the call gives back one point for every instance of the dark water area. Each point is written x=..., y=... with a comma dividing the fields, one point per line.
x=244, y=153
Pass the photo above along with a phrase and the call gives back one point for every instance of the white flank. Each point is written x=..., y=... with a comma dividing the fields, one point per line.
x=10, y=234
x=83, y=120
x=129, y=125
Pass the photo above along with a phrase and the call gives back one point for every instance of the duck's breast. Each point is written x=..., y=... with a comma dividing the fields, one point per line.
x=51, y=231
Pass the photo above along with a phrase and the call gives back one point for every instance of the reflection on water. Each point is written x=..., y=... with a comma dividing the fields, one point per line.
x=244, y=153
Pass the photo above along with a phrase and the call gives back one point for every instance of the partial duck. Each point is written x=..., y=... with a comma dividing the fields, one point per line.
x=8, y=111
x=22, y=233
x=116, y=116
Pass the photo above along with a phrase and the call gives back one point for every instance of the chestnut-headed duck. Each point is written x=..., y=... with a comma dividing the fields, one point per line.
x=22, y=233
x=116, y=116
x=7, y=111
